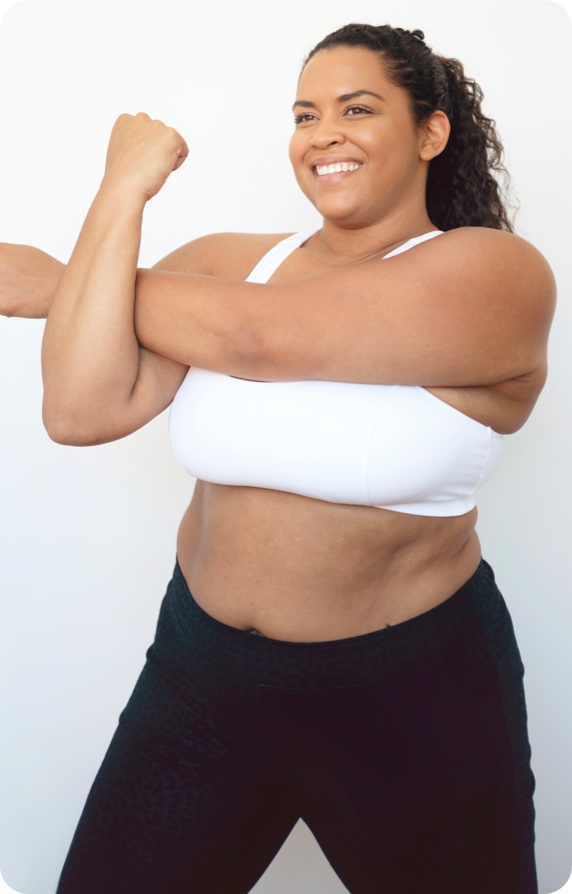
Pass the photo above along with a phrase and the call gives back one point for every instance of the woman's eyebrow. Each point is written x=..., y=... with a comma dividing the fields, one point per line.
x=345, y=97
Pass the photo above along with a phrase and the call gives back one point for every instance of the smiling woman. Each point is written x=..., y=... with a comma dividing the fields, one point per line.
x=359, y=163
x=346, y=398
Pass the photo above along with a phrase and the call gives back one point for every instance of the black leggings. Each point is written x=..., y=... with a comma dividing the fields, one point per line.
x=404, y=750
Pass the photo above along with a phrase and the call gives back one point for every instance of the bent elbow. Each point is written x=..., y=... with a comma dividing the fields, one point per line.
x=63, y=428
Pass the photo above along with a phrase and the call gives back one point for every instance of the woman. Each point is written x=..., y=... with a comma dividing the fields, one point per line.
x=340, y=414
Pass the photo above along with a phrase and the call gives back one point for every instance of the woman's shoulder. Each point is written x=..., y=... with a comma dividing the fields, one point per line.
x=231, y=255
x=501, y=261
x=500, y=244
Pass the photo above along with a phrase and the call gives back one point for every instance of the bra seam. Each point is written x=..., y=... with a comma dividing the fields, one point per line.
x=369, y=446
x=485, y=463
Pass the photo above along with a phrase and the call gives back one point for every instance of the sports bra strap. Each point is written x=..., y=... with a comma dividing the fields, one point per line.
x=411, y=243
x=273, y=258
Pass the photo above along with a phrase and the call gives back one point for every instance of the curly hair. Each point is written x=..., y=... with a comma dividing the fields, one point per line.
x=463, y=187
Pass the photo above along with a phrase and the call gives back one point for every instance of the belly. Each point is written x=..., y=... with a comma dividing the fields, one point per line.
x=301, y=569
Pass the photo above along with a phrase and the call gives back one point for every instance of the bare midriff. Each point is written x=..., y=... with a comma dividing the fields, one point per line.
x=304, y=570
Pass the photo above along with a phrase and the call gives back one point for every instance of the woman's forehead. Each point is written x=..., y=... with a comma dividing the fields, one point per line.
x=344, y=70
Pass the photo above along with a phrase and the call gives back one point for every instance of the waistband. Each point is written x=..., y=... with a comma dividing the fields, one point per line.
x=476, y=608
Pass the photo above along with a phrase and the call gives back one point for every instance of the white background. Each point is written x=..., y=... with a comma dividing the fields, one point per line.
x=87, y=535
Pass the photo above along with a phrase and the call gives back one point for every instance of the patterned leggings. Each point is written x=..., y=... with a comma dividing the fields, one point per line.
x=404, y=750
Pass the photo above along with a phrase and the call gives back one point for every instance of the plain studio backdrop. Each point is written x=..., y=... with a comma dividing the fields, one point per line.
x=88, y=535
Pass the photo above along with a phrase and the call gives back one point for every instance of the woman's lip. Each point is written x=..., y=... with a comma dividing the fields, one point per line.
x=334, y=160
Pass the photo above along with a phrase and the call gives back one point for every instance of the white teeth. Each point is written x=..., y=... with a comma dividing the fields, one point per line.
x=336, y=168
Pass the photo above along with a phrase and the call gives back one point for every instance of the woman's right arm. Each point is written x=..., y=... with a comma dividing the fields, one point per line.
x=29, y=278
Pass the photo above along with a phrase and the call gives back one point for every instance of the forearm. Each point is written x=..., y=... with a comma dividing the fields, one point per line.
x=28, y=280
x=90, y=355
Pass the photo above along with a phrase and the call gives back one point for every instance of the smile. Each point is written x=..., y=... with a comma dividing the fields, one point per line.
x=338, y=168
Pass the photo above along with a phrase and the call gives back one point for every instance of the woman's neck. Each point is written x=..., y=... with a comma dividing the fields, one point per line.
x=351, y=245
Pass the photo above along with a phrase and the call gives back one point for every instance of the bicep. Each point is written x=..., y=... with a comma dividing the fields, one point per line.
x=158, y=381
x=159, y=377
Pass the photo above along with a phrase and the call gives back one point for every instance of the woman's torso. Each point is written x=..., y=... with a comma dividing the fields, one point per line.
x=303, y=569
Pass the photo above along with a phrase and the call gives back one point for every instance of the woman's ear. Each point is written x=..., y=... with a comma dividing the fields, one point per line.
x=434, y=135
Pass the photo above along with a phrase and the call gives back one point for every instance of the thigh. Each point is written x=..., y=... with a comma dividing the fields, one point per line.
x=172, y=810
x=428, y=787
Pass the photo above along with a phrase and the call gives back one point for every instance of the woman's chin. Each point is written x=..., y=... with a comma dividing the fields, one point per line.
x=342, y=214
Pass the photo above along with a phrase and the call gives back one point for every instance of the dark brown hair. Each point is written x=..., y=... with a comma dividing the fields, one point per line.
x=462, y=185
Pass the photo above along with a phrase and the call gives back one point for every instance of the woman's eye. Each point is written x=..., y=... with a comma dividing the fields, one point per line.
x=356, y=110
x=301, y=119
x=351, y=111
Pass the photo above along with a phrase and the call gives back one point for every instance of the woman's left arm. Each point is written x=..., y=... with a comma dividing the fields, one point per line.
x=471, y=307
x=28, y=280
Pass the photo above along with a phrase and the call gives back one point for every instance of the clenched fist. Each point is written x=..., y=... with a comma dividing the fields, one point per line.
x=142, y=152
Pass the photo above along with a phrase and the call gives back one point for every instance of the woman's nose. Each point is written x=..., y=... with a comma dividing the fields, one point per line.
x=326, y=134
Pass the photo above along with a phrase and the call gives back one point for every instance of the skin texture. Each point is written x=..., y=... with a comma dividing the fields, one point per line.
x=28, y=280
x=466, y=315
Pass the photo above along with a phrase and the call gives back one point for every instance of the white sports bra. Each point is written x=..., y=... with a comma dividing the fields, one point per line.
x=389, y=446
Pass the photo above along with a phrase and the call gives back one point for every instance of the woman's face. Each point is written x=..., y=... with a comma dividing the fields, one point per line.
x=348, y=113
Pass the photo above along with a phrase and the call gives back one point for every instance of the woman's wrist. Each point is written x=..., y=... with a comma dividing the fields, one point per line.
x=121, y=196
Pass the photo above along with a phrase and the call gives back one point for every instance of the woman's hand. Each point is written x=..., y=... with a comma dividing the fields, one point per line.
x=141, y=155
x=28, y=280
